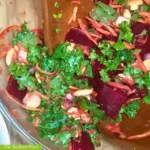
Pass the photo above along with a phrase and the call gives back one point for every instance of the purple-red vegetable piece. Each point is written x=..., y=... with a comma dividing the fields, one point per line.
x=75, y=35
x=12, y=88
x=110, y=99
x=84, y=143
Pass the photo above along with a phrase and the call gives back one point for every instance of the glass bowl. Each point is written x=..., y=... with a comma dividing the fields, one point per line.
x=16, y=12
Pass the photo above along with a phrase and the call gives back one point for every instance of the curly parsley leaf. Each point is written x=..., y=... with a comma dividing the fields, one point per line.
x=34, y=54
x=130, y=110
x=125, y=32
x=104, y=75
x=21, y=74
x=94, y=110
x=26, y=37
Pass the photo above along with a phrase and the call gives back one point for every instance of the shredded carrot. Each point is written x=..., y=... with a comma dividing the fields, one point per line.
x=116, y=6
x=115, y=129
x=139, y=136
x=76, y=2
x=74, y=16
x=132, y=100
x=144, y=14
x=142, y=40
x=20, y=46
x=36, y=121
x=3, y=43
x=70, y=20
x=5, y=50
x=110, y=29
x=39, y=94
x=42, y=71
x=85, y=50
x=8, y=77
x=14, y=113
x=9, y=29
x=74, y=88
x=22, y=105
x=120, y=86
x=93, y=22
x=129, y=46
x=95, y=35
x=140, y=62
x=111, y=42
x=142, y=21
x=90, y=131
x=103, y=31
x=84, y=29
x=147, y=2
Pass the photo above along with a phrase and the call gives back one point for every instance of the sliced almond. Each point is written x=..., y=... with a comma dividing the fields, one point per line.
x=126, y=79
x=124, y=76
x=126, y=14
x=16, y=48
x=120, y=19
x=74, y=112
x=83, y=92
x=147, y=64
x=134, y=4
x=10, y=56
x=85, y=118
x=83, y=69
x=37, y=75
x=71, y=46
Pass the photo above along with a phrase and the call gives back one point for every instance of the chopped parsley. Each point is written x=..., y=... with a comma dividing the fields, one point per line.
x=125, y=32
x=57, y=30
x=56, y=4
x=57, y=16
x=130, y=110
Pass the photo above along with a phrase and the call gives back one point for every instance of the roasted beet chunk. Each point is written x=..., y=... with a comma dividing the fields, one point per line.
x=137, y=29
x=76, y=36
x=84, y=143
x=12, y=89
x=110, y=99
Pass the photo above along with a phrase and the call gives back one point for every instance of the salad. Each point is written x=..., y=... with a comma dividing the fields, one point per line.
x=100, y=73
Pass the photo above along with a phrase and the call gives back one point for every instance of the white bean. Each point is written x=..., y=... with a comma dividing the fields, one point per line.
x=32, y=100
